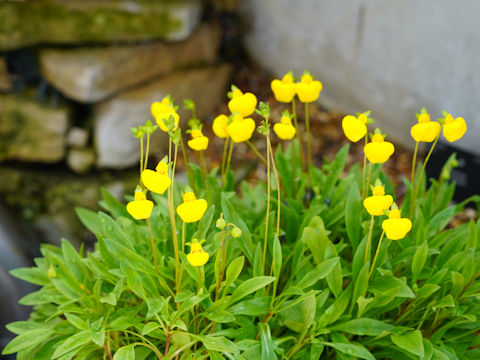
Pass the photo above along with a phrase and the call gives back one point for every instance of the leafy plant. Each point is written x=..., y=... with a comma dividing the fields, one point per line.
x=288, y=273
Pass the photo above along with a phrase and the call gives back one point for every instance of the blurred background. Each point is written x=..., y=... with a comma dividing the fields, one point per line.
x=75, y=75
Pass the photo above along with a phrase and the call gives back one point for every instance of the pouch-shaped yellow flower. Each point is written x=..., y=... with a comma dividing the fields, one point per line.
x=308, y=89
x=199, y=142
x=378, y=151
x=191, y=210
x=156, y=181
x=395, y=226
x=140, y=208
x=161, y=117
x=354, y=128
x=241, y=129
x=197, y=256
x=379, y=202
x=243, y=104
x=425, y=130
x=454, y=129
x=284, y=129
x=160, y=106
x=283, y=90
x=220, y=126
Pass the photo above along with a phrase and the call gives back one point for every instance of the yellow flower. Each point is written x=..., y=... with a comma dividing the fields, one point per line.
x=191, y=210
x=241, y=129
x=395, y=226
x=140, y=208
x=197, y=256
x=355, y=128
x=379, y=202
x=454, y=130
x=220, y=126
x=156, y=181
x=163, y=116
x=243, y=104
x=160, y=106
x=283, y=90
x=378, y=151
x=308, y=89
x=199, y=142
x=284, y=129
x=425, y=130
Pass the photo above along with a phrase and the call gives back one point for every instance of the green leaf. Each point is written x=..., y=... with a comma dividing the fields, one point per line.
x=76, y=321
x=364, y=326
x=149, y=327
x=440, y=220
x=72, y=343
x=277, y=257
x=320, y=272
x=336, y=168
x=353, y=215
x=253, y=307
x=97, y=332
x=411, y=341
x=125, y=353
x=33, y=275
x=216, y=343
x=268, y=349
x=249, y=286
x=27, y=340
x=90, y=220
x=419, y=259
x=351, y=349
x=360, y=285
x=234, y=270
x=220, y=316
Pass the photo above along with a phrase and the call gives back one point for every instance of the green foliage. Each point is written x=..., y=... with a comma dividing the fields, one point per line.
x=315, y=299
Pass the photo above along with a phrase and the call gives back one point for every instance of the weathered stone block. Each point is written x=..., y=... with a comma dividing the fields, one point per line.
x=30, y=22
x=31, y=131
x=391, y=57
x=114, y=143
x=90, y=74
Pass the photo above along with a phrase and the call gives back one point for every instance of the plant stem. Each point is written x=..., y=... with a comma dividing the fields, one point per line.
x=376, y=254
x=107, y=350
x=152, y=243
x=419, y=181
x=224, y=156
x=369, y=238
x=412, y=186
x=295, y=121
x=277, y=180
x=294, y=167
x=254, y=149
x=199, y=279
x=309, y=145
x=141, y=160
x=267, y=216
x=171, y=210
x=368, y=178
x=147, y=152
x=179, y=282
x=364, y=169
x=227, y=165
x=187, y=164
x=203, y=168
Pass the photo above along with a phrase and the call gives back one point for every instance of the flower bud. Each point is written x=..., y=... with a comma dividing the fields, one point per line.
x=221, y=223
x=236, y=232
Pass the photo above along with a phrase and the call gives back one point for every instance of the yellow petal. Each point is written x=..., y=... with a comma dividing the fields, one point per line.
x=220, y=126
x=155, y=182
x=198, y=144
x=379, y=152
x=161, y=117
x=241, y=130
x=353, y=128
x=243, y=104
x=158, y=107
x=284, y=131
x=376, y=205
x=425, y=131
x=140, y=209
x=192, y=211
x=396, y=229
x=198, y=258
x=283, y=92
x=455, y=129
x=308, y=92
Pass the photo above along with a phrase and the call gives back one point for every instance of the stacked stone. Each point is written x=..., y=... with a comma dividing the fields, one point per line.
x=111, y=59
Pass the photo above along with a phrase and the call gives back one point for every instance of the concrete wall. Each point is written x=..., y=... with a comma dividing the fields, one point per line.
x=391, y=57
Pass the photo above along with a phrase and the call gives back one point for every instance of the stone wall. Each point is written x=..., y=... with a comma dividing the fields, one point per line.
x=391, y=57
x=74, y=77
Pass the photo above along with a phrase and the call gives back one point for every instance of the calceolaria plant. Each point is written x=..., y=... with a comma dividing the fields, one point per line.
x=316, y=263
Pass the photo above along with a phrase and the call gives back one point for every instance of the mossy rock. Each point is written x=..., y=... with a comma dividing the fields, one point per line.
x=84, y=21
